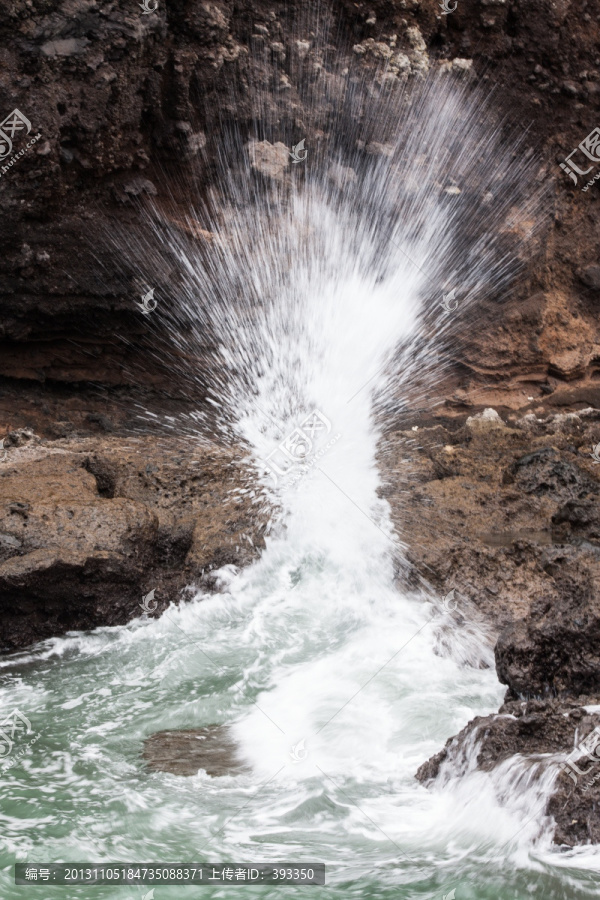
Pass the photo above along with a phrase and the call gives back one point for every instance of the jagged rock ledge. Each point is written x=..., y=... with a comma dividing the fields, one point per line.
x=89, y=526
x=545, y=732
x=522, y=545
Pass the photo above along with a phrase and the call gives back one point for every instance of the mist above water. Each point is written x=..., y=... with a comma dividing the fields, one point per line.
x=323, y=285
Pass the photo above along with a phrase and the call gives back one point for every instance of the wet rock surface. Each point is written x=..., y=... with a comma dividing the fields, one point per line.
x=526, y=727
x=543, y=732
x=89, y=527
x=186, y=752
x=505, y=516
x=555, y=650
x=574, y=807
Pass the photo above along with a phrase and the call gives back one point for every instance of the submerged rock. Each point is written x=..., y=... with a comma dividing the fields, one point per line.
x=186, y=752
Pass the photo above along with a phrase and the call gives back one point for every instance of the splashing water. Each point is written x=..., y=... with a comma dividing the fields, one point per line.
x=313, y=314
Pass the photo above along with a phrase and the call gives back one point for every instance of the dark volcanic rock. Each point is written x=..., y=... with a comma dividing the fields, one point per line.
x=185, y=752
x=543, y=472
x=576, y=807
x=555, y=650
x=49, y=592
x=526, y=727
x=544, y=732
x=126, y=105
x=578, y=520
x=523, y=550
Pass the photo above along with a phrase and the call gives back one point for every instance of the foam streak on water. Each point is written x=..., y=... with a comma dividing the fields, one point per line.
x=310, y=297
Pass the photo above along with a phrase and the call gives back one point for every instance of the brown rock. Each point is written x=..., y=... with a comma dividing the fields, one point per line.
x=185, y=752
x=87, y=528
x=534, y=730
x=271, y=160
x=555, y=650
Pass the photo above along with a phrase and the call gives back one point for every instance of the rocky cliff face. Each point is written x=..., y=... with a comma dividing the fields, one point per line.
x=502, y=512
x=123, y=100
x=503, y=509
